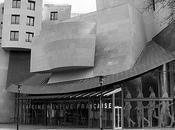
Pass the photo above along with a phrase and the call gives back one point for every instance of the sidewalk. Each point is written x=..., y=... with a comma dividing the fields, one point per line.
x=33, y=127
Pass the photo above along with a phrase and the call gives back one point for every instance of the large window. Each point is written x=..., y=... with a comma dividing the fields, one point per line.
x=54, y=15
x=30, y=21
x=29, y=36
x=31, y=5
x=15, y=19
x=16, y=3
x=14, y=35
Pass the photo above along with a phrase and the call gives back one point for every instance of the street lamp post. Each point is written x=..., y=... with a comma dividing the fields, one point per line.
x=18, y=94
x=101, y=80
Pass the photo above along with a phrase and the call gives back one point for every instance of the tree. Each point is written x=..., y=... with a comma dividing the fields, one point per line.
x=160, y=6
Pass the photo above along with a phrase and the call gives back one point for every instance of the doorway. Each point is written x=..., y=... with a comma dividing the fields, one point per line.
x=117, y=108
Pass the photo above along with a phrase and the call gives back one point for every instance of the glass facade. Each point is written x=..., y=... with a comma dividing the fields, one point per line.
x=73, y=113
x=145, y=101
x=148, y=99
x=77, y=112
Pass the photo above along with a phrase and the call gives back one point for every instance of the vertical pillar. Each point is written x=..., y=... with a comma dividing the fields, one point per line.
x=165, y=87
x=165, y=83
x=101, y=78
x=18, y=100
x=122, y=120
x=89, y=112
x=113, y=109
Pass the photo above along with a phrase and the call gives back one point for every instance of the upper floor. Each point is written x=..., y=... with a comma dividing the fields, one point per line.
x=21, y=22
x=56, y=12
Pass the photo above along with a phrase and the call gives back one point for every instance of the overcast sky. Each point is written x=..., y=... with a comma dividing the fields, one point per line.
x=78, y=6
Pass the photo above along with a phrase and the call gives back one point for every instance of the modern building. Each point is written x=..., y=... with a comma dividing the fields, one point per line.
x=112, y=68
x=75, y=14
x=56, y=12
x=20, y=21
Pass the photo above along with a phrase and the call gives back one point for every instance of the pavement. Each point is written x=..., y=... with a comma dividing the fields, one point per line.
x=34, y=127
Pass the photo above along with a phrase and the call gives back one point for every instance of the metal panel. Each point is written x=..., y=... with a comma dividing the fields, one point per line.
x=68, y=45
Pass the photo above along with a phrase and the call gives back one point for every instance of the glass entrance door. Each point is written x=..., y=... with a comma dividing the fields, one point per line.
x=117, y=117
x=117, y=109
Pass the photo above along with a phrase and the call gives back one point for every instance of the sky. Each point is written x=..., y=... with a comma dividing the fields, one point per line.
x=78, y=6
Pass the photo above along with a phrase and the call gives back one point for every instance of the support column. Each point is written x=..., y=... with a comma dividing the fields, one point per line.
x=113, y=109
x=122, y=120
x=101, y=78
x=165, y=83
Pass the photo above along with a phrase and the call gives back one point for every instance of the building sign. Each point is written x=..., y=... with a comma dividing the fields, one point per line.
x=66, y=106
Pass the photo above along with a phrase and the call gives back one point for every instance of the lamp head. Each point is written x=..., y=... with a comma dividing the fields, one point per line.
x=101, y=79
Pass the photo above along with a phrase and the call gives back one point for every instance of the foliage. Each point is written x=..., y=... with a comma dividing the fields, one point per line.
x=161, y=5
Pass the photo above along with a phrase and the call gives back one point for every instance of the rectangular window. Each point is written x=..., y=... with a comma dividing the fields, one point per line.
x=2, y=10
x=29, y=36
x=14, y=35
x=31, y=5
x=16, y=3
x=54, y=15
x=30, y=21
x=154, y=8
x=15, y=19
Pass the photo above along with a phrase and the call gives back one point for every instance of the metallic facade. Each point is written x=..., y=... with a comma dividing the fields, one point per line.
x=64, y=46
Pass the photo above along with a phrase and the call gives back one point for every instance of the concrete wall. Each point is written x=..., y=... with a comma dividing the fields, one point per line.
x=138, y=33
x=1, y=20
x=6, y=99
x=64, y=46
x=155, y=21
x=22, y=27
x=64, y=11
x=120, y=40
x=104, y=4
x=141, y=6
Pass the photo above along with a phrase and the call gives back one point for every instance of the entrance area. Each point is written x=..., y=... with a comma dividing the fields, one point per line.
x=117, y=117
x=74, y=110
x=144, y=101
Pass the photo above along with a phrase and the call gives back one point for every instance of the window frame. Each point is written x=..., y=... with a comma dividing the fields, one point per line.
x=14, y=35
x=16, y=21
x=29, y=35
x=16, y=3
x=31, y=5
x=30, y=20
x=154, y=6
x=54, y=15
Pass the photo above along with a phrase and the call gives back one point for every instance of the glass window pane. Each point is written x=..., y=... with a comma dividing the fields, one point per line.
x=16, y=3
x=14, y=35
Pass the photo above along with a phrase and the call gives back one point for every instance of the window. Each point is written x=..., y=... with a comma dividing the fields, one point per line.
x=31, y=5
x=30, y=20
x=16, y=3
x=29, y=36
x=15, y=19
x=154, y=8
x=14, y=35
x=2, y=10
x=53, y=15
